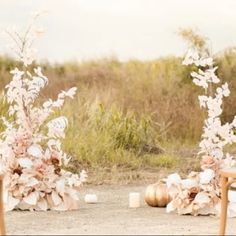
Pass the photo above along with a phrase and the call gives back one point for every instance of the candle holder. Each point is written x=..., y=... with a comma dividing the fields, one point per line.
x=134, y=200
x=91, y=198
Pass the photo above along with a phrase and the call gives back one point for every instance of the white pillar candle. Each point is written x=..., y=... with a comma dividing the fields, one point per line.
x=134, y=200
x=90, y=198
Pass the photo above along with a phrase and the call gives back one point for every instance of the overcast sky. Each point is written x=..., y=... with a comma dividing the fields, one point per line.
x=142, y=29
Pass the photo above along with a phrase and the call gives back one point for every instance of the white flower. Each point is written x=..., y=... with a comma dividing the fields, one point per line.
x=17, y=73
x=225, y=90
x=34, y=178
x=48, y=103
x=58, y=103
x=170, y=207
x=191, y=56
x=57, y=126
x=199, y=194
x=206, y=176
x=60, y=186
x=42, y=204
x=11, y=203
x=28, y=56
x=205, y=62
x=70, y=93
x=211, y=76
x=56, y=199
x=189, y=183
x=202, y=198
x=25, y=163
x=32, y=198
x=203, y=78
x=35, y=150
x=214, y=107
x=32, y=182
x=199, y=79
x=203, y=100
x=173, y=179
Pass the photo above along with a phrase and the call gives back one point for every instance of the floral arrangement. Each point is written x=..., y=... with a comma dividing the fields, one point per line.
x=31, y=157
x=199, y=193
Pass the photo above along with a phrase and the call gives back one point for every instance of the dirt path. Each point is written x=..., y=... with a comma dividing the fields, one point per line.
x=112, y=216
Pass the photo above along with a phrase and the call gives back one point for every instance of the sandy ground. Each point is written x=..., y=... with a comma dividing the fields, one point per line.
x=111, y=215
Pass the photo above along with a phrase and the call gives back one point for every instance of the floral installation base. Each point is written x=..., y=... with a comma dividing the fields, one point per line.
x=199, y=193
x=31, y=158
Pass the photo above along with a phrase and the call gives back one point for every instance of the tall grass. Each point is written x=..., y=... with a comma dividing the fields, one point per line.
x=126, y=112
x=105, y=136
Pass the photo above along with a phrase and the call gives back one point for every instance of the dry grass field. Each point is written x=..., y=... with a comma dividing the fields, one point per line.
x=131, y=116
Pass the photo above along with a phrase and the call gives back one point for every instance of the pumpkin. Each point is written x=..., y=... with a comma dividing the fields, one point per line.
x=156, y=195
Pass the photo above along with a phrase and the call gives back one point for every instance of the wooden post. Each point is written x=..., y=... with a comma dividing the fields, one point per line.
x=2, y=224
x=224, y=204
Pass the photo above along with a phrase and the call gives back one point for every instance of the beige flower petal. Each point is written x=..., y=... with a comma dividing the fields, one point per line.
x=42, y=204
x=207, y=211
x=61, y=207
x=24, y=206
x=32, y=198
x=35, y=150
x=56, y=198
x=173, y=179
x=170, y=207
x=202, y=198
x=50, y=201
x=11, y=203
x=25, y=162
x=186, y=210
x=32, y=182
x=71, y=203
x=72, y=193
x=60, y=186
x=206, y=176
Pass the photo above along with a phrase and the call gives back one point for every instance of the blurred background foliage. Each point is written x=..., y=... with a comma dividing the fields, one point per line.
x=132, y=114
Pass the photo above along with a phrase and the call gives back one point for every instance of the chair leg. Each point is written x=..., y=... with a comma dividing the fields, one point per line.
x=224, y=205
x=2, y=224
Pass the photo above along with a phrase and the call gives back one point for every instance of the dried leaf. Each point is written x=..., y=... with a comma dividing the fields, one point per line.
x=32, y=198
x=25, y=162
x=56, y=198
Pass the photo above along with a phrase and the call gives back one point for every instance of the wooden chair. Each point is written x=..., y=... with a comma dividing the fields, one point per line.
x=2, y=224
x=228, y=177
